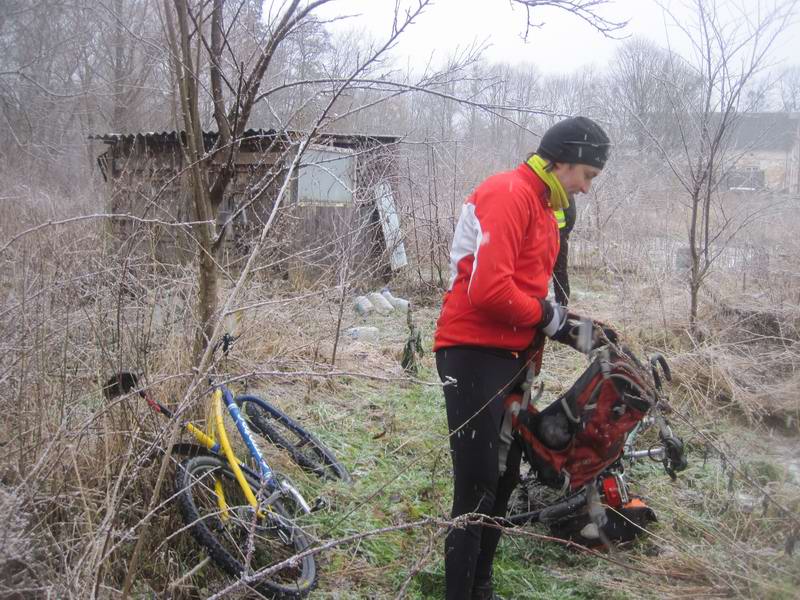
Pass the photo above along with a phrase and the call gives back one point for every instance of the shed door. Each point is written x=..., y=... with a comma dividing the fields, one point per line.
x=390, y=224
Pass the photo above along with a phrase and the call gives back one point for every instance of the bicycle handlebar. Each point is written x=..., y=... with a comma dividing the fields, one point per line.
x=655, y=453
x=670, y=453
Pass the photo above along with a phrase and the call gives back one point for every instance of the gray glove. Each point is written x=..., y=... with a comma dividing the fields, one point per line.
x=580, y=333
x=554, y=318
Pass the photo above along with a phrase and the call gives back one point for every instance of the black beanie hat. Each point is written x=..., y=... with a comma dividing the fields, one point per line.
x=575, y=140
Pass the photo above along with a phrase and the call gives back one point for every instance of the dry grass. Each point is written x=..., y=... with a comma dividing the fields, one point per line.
x=77, y=473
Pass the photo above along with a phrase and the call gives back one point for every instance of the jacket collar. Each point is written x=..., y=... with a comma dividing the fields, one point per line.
x=539, y=186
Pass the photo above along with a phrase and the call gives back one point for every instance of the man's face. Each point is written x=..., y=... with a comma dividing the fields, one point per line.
x=575, y=177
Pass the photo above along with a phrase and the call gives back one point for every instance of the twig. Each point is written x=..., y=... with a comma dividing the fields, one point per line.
x=51, y=223
x=417, y=567
x=441, y=524
x=190, y=573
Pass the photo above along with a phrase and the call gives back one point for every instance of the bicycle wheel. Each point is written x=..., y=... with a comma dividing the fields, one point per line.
x=283, y=431
x=237, y=540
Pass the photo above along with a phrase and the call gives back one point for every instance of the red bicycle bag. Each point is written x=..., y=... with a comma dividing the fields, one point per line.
x=582, y=433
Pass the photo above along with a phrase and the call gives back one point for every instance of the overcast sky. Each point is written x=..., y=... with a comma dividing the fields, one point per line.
x=563, y=44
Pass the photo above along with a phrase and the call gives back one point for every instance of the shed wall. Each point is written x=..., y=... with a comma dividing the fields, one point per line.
x=307, y=242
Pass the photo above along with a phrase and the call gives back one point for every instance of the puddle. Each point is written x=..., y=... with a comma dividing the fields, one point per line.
x=783, y=451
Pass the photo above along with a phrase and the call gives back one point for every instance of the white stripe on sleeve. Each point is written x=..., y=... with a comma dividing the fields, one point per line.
x=466, y=240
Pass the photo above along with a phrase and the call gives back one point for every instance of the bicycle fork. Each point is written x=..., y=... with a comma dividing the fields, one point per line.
x=281, y=487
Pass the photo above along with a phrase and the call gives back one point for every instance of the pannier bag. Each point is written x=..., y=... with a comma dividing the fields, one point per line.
x=583, y=432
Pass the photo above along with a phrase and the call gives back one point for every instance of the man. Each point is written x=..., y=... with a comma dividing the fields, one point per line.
x=566, y=221
x=502, y=257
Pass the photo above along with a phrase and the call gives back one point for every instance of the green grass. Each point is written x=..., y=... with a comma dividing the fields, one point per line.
x=397, y=449
x=393, y=440
x=712, y=538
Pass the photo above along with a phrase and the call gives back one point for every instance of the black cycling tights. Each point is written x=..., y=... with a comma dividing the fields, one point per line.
x=483, y=380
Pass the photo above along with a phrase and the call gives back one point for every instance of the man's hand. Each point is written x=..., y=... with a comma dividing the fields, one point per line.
x=580, y=333
x=554, y=318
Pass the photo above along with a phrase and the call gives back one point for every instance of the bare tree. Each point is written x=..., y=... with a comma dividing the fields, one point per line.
x=641, y=80
x=69, y=69
x=128, y=52
x=728, y=56
x=198, y=32
x=789, y=88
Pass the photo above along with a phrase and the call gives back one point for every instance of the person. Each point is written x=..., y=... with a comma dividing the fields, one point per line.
x=502, y=256
x=566, y=221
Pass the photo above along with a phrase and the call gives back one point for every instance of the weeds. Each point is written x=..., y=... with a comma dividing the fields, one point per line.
x=78, y=472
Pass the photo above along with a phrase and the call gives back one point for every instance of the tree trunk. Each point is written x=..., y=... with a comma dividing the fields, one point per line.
x=207, y=303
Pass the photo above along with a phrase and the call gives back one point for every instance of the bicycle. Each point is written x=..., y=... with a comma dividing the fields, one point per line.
x=604, y=509
x=241, y=516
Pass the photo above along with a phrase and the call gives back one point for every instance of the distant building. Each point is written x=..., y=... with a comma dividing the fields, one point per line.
x=340, y=203
x=766, y=148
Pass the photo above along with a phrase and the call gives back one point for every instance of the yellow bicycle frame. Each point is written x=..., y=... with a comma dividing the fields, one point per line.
x=217, y=424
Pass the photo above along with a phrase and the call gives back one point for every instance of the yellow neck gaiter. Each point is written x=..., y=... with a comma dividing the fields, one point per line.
x=558, y=196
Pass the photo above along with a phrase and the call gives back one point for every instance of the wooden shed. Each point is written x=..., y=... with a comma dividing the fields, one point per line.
x=338, y=214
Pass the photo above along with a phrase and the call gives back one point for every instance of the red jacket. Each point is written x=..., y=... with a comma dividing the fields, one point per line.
x=501, y=261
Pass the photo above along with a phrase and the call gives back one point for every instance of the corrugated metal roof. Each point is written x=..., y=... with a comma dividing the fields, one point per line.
x=766, y=131
x=253, y=135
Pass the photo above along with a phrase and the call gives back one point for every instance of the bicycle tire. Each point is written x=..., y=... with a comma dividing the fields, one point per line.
x=286, y=433
x=227, y=541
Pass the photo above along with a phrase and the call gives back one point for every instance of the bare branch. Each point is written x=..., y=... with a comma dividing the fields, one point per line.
x=114, y=216
x=586, y=10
